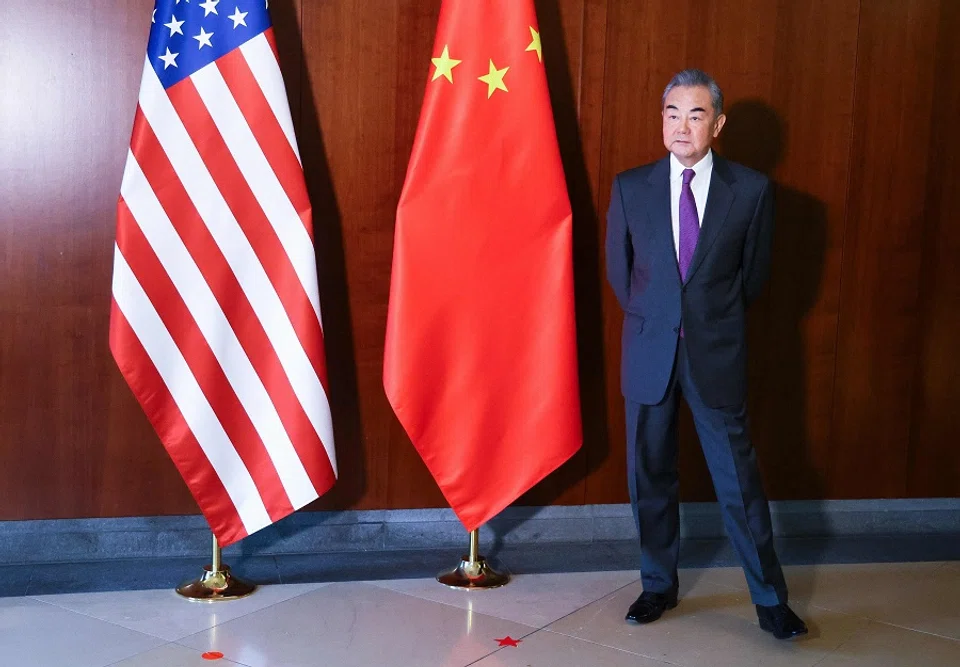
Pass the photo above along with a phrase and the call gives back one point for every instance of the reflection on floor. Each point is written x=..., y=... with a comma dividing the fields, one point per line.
x=870, y=615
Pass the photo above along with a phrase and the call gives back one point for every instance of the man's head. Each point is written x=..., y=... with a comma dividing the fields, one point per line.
x=692, y=109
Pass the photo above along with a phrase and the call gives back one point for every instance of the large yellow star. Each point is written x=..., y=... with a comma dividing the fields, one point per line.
x=494, y=79
x=535, y=44
x=444, y=65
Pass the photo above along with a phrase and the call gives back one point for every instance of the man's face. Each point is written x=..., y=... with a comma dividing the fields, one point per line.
x=689, y=123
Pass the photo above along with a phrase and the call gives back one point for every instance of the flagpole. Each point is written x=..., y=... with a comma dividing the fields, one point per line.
x=216, y=583
x=473, y=572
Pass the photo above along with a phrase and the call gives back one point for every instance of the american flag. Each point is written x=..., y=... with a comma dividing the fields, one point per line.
x=215, y=321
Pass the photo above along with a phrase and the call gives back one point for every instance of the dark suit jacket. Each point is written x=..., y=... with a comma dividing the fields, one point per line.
x=729, y=267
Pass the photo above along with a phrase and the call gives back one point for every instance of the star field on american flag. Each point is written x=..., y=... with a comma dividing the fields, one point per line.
x=188, y=35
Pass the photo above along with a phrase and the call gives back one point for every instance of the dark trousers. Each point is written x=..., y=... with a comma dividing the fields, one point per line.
x=652, y=476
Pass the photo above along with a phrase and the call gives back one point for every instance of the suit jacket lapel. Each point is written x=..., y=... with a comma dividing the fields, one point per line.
x=719, y=199
x=658, y=209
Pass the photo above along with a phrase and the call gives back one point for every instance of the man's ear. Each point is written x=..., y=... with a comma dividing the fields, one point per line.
x=721, y=119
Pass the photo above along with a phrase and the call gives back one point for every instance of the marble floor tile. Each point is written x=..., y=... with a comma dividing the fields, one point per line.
x=882, y=645
x=917, y=596
x=358, y=625
x=550, y=649
x=532, y=599
x=174, y=655
x=713, y=626
x=873, y=615
x=164, y=614
x=37, y=634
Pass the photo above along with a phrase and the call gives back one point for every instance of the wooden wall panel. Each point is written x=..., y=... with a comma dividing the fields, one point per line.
x=359, y=73
x=879, y=335
x=798, y=133
x=580, y=136
x=74, y=442
x=933, y=457
x=842, y=102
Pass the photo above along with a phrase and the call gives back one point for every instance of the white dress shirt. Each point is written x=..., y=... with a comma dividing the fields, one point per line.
x=700, y=185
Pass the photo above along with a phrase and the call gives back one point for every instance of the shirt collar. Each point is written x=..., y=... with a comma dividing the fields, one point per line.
x=702, y=167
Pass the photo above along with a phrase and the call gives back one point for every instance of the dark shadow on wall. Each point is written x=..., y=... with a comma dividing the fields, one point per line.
x=755, y=136
x=331, y=266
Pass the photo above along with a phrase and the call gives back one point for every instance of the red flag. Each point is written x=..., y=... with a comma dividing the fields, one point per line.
x=480, y=363
x=215, y=322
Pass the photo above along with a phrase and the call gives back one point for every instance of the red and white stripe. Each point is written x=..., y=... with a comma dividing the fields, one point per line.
x=216, y=319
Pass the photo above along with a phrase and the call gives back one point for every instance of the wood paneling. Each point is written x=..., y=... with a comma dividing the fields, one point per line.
x=798, y=133
x=351, y=89
x=933, y=456
x=846, y=104
x=879, y=335
x=74, y=442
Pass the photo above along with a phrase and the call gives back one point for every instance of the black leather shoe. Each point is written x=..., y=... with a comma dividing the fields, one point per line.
x=650, y=606
x=781, y=621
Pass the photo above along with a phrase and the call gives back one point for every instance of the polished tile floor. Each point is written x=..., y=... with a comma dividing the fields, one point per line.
x=877, y=615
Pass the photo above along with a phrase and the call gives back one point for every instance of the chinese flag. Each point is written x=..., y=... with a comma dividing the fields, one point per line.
x=480, y=363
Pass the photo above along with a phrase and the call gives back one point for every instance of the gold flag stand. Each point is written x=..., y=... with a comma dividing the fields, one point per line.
x=473, y=572
x=216, y=583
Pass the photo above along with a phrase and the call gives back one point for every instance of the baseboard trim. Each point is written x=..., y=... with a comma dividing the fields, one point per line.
x=389, y=531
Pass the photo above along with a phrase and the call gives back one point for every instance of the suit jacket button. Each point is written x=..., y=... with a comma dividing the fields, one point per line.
x=676, y=329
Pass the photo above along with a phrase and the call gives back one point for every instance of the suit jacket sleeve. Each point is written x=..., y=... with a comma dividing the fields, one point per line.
x=758, y=246
x=619, y=247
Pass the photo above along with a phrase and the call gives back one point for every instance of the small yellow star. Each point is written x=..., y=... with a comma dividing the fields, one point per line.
x=494, y=79
x=535, y=44
x=444, y=65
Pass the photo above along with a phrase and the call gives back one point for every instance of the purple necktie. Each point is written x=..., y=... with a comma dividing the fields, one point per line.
x=689, y=223
x=689, y=226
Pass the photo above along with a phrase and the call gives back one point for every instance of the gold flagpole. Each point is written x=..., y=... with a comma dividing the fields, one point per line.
x=216, y=583
x=473, y=571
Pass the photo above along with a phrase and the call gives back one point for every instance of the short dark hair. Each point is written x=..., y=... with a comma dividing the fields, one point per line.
x=695, y=78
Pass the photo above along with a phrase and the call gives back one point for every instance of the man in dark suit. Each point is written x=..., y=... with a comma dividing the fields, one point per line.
x=688, y=248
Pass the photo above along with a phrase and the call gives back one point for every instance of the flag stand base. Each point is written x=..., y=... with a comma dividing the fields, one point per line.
x=473, y=572
x=216, y=584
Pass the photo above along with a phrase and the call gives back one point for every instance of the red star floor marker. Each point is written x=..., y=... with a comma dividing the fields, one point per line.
x=212, y=655
x=509, y=641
